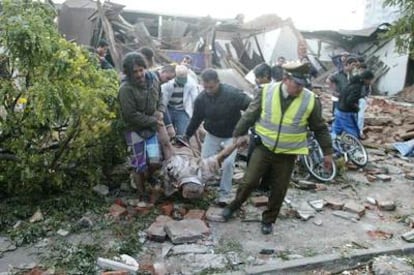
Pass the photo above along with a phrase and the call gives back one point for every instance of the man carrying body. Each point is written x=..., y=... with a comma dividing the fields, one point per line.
x=219, y=106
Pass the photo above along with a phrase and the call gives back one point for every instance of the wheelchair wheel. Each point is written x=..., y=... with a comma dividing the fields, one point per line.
x=314, y=163
x=354, y=149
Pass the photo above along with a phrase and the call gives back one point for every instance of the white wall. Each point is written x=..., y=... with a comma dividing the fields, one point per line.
x=393, y=81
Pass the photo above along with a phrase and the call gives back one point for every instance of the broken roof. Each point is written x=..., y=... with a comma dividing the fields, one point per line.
x=347, y=38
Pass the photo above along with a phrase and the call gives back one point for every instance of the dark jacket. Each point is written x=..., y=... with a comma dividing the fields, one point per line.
x=138, y=106
x=348, y=101
x=220, y=112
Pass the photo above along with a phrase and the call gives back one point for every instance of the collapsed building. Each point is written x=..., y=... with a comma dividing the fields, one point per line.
x=235, y=48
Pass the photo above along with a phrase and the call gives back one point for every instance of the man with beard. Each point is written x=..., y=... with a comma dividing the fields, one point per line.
x=142, y=115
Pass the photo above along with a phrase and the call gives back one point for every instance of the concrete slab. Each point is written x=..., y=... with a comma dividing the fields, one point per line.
x=333, y=261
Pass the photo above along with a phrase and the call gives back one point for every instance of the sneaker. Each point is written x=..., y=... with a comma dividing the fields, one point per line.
x=227, y=214
x=267, y=228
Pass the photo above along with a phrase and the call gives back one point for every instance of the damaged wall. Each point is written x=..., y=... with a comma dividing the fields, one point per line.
x=390, y=66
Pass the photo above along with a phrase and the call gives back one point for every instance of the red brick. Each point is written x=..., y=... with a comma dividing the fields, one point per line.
x=195, y=214
x=117, y=210
x=260, y=201
x=167, y=208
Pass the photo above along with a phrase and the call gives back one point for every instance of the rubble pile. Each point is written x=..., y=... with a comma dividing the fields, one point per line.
x=386, y=121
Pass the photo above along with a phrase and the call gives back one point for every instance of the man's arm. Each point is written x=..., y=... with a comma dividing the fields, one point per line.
x=318, y=126
x=243, y=101
x=197, y=118
x=250, y=116
x=134, y=118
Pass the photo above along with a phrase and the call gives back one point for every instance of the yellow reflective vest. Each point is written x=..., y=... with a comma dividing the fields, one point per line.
x=284, y=133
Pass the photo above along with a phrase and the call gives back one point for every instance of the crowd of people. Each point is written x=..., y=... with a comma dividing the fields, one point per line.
x=160, y=105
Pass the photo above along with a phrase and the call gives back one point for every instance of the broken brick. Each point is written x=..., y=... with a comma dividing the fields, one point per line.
x=384, y=177
x=120, y=202
x=409, y=176
x=354, y=207
x=167, y=208
x=156, y=230
x=386, y=205
x=117, y=210
x=334, y=203
x=371, y=178
x=195, y=214
x=260, y=201
x=186, y=231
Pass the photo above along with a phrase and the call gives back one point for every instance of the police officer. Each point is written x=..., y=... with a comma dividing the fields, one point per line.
x=281, y=113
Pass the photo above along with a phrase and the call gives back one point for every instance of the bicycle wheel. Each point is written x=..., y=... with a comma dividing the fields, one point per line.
x=314, y=163
x=300, y=172
x=354, y=149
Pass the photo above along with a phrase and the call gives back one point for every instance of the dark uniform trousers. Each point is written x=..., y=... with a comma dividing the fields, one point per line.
x=278, y=168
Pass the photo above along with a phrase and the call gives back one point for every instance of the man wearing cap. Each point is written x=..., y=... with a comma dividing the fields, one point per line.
x=281, y=113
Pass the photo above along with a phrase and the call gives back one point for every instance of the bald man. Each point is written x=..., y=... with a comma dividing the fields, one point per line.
x=179, y=95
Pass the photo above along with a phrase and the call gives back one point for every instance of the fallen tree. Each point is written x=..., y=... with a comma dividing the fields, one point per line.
x=58, y=109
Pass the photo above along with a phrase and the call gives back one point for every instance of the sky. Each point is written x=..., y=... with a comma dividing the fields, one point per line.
x=306, y=14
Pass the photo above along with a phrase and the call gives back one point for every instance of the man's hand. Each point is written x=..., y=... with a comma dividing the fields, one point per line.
x=159, y=115
x=241, y=142
x=327, y=162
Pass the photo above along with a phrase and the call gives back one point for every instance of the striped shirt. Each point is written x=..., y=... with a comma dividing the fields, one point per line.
x=176, y=100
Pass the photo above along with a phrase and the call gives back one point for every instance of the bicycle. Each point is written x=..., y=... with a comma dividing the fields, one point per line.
x=351, y=148
x=313, y=163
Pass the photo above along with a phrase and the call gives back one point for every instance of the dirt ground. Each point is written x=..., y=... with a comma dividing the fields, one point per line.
x=293, y=238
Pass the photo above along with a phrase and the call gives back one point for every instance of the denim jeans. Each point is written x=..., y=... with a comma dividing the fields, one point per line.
x=361, y=114
x=211, y=146
x=180, y=120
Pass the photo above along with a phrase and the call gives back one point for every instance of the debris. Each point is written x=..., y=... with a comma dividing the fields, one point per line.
x=167, y=208
x=409, y=176
x=383, y=177
x=391, y=265
x=379, y=234
x=186, y=231
x=156, y=230
x=317, y=204
x=334, y=203
x=408, y=236
x=260, y=201
x=195, y=214
x=37, y=216
x=410, y=221
x=371, y=200
x=6, y=245
x=85, y=222
x=371, y=178
x=114, y=265
x=345, y=215
x=62, y=232
x=101, y=189
x=126, y=259
x=189, y=248
x=160, y=268
x=214, y=214
x=267, y=251
x=354, y=207
x=317, y=222
x=306, y=185
x=386, y=205
x=117, y=211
